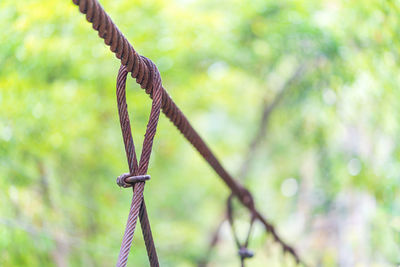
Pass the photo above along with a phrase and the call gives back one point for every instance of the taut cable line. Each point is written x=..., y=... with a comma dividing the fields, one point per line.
x=142, y=70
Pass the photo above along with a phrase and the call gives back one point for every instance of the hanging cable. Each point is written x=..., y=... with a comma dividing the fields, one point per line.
x=142, y=69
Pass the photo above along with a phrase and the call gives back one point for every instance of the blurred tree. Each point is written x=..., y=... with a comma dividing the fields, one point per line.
x=326, y=174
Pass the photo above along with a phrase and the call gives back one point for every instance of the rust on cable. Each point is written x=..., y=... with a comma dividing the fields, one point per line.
x=128, y=180
x=137, y=176
x=243, y=251
x=147, y=75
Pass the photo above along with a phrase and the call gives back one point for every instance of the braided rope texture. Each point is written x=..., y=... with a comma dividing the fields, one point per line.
x=139, y=68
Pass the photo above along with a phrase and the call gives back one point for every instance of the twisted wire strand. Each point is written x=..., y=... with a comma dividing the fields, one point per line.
x=134, y=64
x=138, y=206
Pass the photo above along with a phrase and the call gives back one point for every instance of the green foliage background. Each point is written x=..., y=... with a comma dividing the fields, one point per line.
x=335, y=131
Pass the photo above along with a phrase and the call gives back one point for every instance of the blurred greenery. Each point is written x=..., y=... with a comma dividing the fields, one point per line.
x=325, y=173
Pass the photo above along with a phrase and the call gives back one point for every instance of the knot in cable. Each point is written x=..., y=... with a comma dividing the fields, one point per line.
x=245, y=253
x=128, y=180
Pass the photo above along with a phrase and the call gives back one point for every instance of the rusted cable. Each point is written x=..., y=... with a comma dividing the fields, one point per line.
x=137, y=175
x=266, y=112
x=243, y=251
x=128, y=180
x=134, y=63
